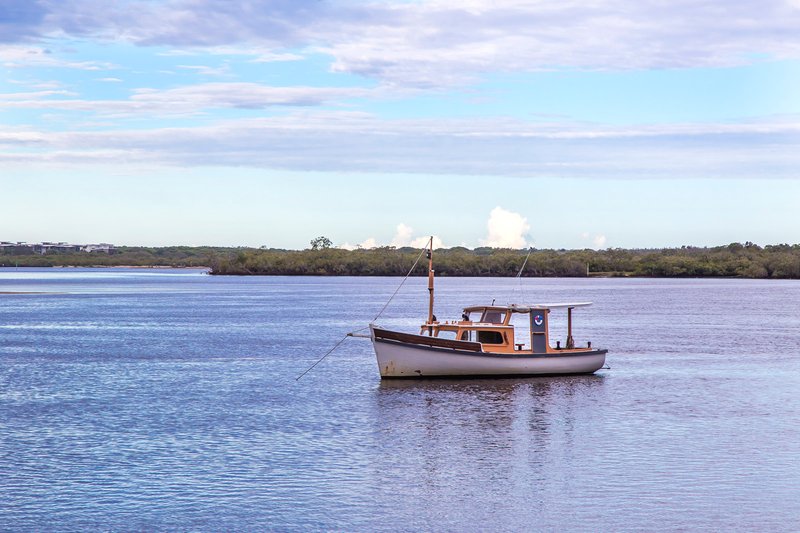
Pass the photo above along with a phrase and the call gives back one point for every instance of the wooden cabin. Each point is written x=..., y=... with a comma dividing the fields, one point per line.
x=490, y=325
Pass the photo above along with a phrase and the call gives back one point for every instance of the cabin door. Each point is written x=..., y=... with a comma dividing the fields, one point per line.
x=539, y=330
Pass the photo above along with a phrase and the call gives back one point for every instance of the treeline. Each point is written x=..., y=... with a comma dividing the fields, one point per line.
x=735, y=260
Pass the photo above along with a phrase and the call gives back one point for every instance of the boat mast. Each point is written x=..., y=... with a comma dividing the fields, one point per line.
x=430, y=286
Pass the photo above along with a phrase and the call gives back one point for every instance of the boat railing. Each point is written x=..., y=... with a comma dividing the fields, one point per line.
x=437, y=342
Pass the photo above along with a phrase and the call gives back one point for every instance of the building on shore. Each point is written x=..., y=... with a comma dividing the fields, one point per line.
x=43, y=248
x=101, y=247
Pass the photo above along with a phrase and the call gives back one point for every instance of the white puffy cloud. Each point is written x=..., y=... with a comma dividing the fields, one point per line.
x=599, y=241
x=367, y=244
x=422, y=242
x=506, y=229
x=403, y=236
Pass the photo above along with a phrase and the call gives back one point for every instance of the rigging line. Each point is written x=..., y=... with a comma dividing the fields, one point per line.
x=318, y=361
x=323, y=357
x=399, y=286
x=351, y=334
x=519, y=275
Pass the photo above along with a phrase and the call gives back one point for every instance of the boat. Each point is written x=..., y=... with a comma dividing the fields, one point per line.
x=484, y=343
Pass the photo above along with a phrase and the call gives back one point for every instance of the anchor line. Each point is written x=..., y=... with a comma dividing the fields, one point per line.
x=318, y=361
x=353, y=333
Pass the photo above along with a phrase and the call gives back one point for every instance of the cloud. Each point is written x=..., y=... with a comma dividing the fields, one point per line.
x=205, y=70
x=403, y=235
x=187, y=100
x=22, y=56
x=434, y=43
x=599, y=241
x=188, y=22
x=32, y=95
x=21, y=137
x=367, y=244
x=37, y=84
x=355, y=142
x=20, y=20
x=422, y=242
x=255, y=52
x=506, y=229
x=272, y=57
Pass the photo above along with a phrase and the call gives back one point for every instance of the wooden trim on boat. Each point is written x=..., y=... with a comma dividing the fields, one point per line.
x=427, y=341
x=435, y=344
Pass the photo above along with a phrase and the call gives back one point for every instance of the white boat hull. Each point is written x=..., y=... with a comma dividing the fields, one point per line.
x=398, y=360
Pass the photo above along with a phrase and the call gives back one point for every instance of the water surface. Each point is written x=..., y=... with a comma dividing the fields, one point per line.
x=166, y=399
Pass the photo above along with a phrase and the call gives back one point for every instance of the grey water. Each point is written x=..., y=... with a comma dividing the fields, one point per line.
x=167, y=400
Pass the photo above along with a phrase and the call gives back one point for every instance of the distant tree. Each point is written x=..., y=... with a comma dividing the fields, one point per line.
x=321, y=243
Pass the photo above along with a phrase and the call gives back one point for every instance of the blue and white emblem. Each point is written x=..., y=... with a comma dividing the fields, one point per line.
x=538, y=320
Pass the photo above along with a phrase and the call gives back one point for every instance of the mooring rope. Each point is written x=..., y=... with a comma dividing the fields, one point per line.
x=323, y=357
x=351, y=334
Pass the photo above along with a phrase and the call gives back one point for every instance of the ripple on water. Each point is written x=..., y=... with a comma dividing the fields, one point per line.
x=169, y=402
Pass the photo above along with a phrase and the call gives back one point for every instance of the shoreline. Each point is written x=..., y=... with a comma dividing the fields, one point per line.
x=735, y=260
x=110, y=266
x=17, y=293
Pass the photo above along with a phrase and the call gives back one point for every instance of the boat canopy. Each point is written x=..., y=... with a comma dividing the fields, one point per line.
x=559, y=305
x=514, y=308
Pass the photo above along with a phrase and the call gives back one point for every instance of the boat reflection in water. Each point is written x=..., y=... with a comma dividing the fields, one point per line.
x=518, y=436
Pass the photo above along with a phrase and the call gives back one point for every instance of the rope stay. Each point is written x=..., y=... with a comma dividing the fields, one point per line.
x=355, y=332
x=518, y=286
x=399, y=286
x=519, y=274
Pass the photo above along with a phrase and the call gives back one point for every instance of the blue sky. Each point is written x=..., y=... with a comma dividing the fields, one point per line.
x=505, y=123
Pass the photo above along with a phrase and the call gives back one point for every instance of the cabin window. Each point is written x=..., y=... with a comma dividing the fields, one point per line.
x=490, y=337
x=493, y=317
x=447, y=334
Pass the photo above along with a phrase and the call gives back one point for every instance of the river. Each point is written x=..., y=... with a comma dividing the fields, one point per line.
x=141, y=399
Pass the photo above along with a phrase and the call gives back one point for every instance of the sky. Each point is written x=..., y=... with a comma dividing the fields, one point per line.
x=553, y=124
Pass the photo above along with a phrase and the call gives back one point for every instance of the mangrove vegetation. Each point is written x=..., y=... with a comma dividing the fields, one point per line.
x=735, y=260
x=747, y=260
